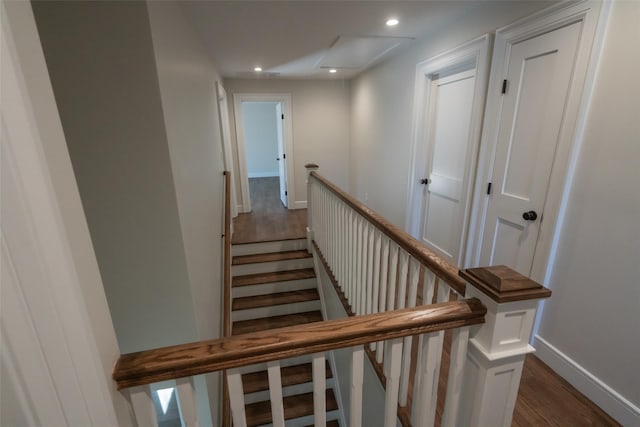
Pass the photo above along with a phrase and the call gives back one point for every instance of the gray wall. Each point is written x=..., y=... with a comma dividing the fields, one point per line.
x=102, y=67
x=260, y=138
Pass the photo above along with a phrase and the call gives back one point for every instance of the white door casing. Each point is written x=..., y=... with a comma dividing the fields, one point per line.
x=281, y=154
x=450, y=93
x=528, y=135
x=223, y=116
x=285, y=100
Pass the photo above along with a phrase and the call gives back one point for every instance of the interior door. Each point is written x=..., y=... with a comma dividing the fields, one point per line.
x=449, y=121
x=282, y=158
x=537, y=84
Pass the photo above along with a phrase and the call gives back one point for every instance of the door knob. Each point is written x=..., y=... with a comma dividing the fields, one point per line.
x=530, y=216
x=425, y=181
x=277, y=158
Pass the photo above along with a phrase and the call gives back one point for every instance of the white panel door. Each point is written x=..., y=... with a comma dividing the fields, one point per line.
x=281, y=155
x=451, y=102
x=538, y=79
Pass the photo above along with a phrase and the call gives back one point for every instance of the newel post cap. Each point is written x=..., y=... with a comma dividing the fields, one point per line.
x=503, y=284
x=311, y=166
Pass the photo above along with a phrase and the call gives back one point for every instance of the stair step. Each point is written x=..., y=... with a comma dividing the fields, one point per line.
x=272, y=246
x=296, y=406
x=290, y=375
x=333, y=423
x=255, y=325
x=270, y=257
x=273, y=277
x=280, y=298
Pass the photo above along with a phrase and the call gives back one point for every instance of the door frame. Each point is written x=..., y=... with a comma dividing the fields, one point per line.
x=227, y=153
x=285, y=99
x=592, y=15
x=473, y=55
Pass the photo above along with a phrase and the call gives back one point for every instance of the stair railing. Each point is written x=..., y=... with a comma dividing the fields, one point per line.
x=377, y=267
x=136, y=371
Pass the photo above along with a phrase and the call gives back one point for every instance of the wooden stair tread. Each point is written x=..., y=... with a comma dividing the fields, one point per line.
x=280, y=298
x=333, y=423
x=274, y=322
x=269, y=257
x=290, y=375
x=279, y=276
x=296, y=406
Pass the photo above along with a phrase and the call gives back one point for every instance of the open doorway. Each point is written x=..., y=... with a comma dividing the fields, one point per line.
x=263, y=139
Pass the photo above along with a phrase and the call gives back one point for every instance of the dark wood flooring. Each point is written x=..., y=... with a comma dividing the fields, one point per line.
x=544, y=399
x=269, y=219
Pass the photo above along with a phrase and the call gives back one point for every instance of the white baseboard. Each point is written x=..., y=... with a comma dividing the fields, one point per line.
x=262, y=174
x=612, y=402
x=299, y=205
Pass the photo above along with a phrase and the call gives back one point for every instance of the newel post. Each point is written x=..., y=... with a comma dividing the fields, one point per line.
x=310, y=167
x=498, y=347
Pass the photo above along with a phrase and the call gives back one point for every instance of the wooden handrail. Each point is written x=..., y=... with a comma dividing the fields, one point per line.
x=202, y=357
x=440, y=266
x=226, y=312
x=226, y=293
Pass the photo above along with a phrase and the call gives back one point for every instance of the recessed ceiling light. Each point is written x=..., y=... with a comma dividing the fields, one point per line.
x=392, y=22
x=333, y=70
x=257, y=69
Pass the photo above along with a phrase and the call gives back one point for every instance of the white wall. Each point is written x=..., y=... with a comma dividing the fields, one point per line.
x=111, y=112
x=187, y=81
x=589, y=327
x=592, y=317
x=320, y=111
x=382, y=108
x=260, y=138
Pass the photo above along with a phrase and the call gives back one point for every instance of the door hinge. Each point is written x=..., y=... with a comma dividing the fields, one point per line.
x=284, y=156
x=504, y=86
x=283, y=117
x=285, y=193
x=489, y=188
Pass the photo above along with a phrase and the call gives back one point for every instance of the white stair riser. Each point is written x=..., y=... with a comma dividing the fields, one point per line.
x=291, y=390
x=268, y=247
x=271, y=288
x=308, y=420
x=275, y=310
x=271, y=267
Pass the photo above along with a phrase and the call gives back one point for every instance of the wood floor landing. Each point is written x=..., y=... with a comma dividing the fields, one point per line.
x=269, y=220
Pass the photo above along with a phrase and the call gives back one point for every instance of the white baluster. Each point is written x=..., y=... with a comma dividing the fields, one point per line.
x=414, y=277
x=393, y=383
x=319, y=390
x=352, y=258
x=236, y=397
x=359, y=265
x=275, y=393
x=428, y=289
x=143, y=407
x=185, y=389
x=384, y=283
x=376, y=277
x=357, y=364
x=391, y=292
x=459, y=344
x=402, y=279
x=369, y=277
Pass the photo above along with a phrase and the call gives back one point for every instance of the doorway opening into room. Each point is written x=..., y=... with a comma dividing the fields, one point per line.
x=262, y=151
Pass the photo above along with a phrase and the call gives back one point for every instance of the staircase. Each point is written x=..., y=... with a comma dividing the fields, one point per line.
x=274, y=286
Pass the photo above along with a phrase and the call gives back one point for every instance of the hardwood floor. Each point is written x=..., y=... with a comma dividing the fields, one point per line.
x=269, y=218
x=544, y=399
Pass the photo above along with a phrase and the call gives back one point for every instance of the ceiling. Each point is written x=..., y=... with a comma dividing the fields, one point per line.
x=305, y=38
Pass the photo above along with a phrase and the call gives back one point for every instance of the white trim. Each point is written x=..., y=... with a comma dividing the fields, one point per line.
x=299, y=205
x=542, y=22
x=55, y=295
x=227, y=152
x=612, y=402
x=472, y=56
x=285, y=99
x=262, y=174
